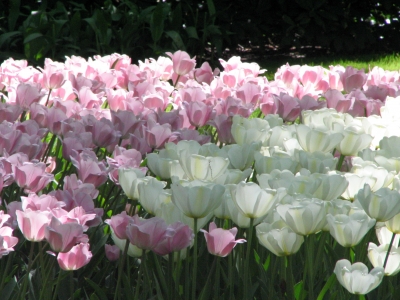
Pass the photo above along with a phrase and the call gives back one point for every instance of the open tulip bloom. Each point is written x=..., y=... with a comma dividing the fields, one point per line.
x=111, y=169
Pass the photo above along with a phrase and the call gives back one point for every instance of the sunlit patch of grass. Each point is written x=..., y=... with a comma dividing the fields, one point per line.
x=389, y=62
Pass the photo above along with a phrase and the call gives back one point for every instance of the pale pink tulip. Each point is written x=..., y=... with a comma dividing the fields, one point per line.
x=90, y=170
x=112, y=252
x=178, y=236
x=32, y=176
x=220, y=242
x=76, y=258
x=146, y=233
x=7, y=241
x=119, y=223
x=198, y=113
x=62, y=237
x=181, y=62
x=33, y=223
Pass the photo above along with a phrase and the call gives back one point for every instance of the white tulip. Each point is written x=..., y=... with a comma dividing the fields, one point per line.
x=377, y=255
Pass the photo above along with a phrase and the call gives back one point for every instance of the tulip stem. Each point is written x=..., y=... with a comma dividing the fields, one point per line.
x=390, y=248
x=194, y=278
x=230, y=275
x=217, y=275
x=120, y=268
x=246, y=266
x=309, y=247
x=340, y=162
x=289, y=278
x=30, y=263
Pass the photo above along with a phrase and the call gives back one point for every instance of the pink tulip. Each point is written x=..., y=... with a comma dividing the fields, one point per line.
x=223, y=124
x=112, y=252
x=336, y=100
x=62, y=237
x=156, y=135
x=288, y=107
x=353, y=78
x=119, y=223
x=146, y=233
x=205, y=73
x=221, y=242
x=198, y=113
x=42, y=202
x=7, y=241
x=90, y=170
x=32, y=176
x=76, y=258
x=10, y=112
x=26, y=94
x=178, y=236
x=181, y=62
x=33, y=223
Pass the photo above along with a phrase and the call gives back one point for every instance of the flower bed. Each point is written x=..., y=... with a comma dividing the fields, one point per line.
x=121, y=180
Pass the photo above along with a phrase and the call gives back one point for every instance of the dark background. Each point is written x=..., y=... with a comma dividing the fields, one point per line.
x=209, y=29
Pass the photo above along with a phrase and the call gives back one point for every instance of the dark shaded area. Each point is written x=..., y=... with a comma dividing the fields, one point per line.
x=34, y=30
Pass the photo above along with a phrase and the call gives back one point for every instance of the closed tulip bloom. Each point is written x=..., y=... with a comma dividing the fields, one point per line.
x=118, y=224
x=355, y=139
x=355, y=277
x=33, y=223
x=253, y=201
x=146, y=233
x=76, y=258
x=220, y=242
x=316, y=162
x=377, y=255
x=381, y=205
x=279, y=238
x=165, y=164
x=178, y=236
x=331, y=186
x=245, y=131
x=181, y=62
x=197, y=199
x=393, y=224
x=129, y=180
x=133, y=251
x=152, y=194
x=349, y=230
x=384, y=235
x=312, y=140
x=62, y=237
x=201, y=167
x=112, y=252
x=305, y=217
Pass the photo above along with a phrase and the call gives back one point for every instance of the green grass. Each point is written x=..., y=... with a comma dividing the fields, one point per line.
x=389, y=62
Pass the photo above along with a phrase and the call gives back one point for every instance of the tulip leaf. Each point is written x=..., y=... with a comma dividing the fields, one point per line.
x=157, y=23
x=99, y=292
x=32, y=36
x=176, y=38
x=211, y=7
x=326, y=287
x=8, y=290
x=298, y=288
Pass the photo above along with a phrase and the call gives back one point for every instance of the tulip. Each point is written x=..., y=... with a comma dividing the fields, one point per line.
x=377, y=256
x=349, y=230
x=202, y=168
x=33, y=223
x=62, y=237
x=355, y=139
x=197, y=199
x=245, y=131
x=381, y=205
x=152, y=194
x=384, y=235
x=181, y=62
x=146, y=233
x=7, y=241
x=279, y=238
x=112, y=252
x=129, y=180
x=304, y=217
x=76, y=258
x=355, y=277
x=178, y=236
x=316, y=162
x=220, y=242
x=252, y=201
x=312, y=140
x=133, y=251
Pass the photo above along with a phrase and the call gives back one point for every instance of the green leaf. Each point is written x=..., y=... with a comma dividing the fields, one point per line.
x=157, y=23
x=288, y=20
x=32, y=36
x=176, y=38
x=298, y=287
x=75, y=26
x=8, y=290
x=13, y=14
x=327, y=286
x=211, y=7
x=176, y=20
x=99, y=292
x=192, y=32
x=5, y=36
